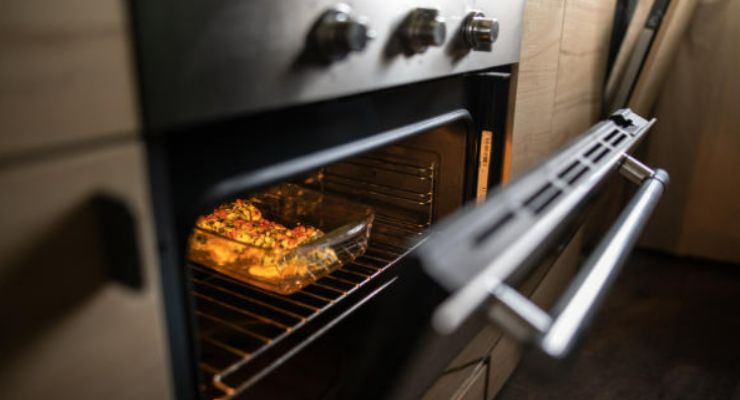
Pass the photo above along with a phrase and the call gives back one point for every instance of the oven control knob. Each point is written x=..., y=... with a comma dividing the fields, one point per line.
x=338, y=33
x=479, y=32
x=422, y=28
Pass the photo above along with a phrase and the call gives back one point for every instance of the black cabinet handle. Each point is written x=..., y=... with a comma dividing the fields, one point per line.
x=118, y=241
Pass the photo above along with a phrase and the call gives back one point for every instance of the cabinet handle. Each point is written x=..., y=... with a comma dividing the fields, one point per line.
x=119, y=241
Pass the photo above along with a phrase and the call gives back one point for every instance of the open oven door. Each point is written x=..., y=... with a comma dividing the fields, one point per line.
x=464, y=275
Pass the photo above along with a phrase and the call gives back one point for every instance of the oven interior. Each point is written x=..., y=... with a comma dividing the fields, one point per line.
x=411, y=153
x=244, y=332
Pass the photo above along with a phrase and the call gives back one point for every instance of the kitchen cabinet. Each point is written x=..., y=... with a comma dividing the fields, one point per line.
x=66, y=76
x=79, y=280
x=698, y=140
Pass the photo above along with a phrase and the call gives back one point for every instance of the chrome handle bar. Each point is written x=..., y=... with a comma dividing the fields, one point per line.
x=481, y=253
x=555, y=333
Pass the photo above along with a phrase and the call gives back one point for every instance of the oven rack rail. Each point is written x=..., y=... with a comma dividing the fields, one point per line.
x=397, y=182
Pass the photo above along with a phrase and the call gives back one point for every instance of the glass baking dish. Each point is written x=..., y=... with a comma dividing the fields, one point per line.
x=345, y=225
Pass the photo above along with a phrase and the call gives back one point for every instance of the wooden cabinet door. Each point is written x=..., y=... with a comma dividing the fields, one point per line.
x=79, y=288
x=66, y=75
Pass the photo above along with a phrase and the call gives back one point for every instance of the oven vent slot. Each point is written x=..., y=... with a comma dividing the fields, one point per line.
x=539, y=201
x=481, y=238
x=619, y=139
x=573, y=172
x=615, y=137
x=593, y=153
x=596, y=153
x=611, y=134
x=556, y=186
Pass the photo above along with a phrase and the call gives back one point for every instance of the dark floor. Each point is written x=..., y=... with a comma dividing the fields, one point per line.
x=670, y=329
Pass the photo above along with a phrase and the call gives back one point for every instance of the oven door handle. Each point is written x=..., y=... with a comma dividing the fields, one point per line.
x=554, y=333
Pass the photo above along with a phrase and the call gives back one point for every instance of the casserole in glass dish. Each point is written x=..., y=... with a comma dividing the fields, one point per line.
x=281, y=239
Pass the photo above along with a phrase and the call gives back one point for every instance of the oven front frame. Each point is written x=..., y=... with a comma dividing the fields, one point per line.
x=194, y=168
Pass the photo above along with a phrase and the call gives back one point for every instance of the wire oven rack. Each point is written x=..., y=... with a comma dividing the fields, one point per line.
x=239, y=324
x=236, y=321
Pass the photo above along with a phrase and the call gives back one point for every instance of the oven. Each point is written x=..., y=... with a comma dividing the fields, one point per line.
x=411, y=169
x=399, y=108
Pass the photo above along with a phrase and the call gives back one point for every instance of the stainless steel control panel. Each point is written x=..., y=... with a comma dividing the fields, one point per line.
x=202, y=60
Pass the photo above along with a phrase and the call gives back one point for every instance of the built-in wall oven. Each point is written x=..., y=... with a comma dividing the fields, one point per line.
x=395, y=106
